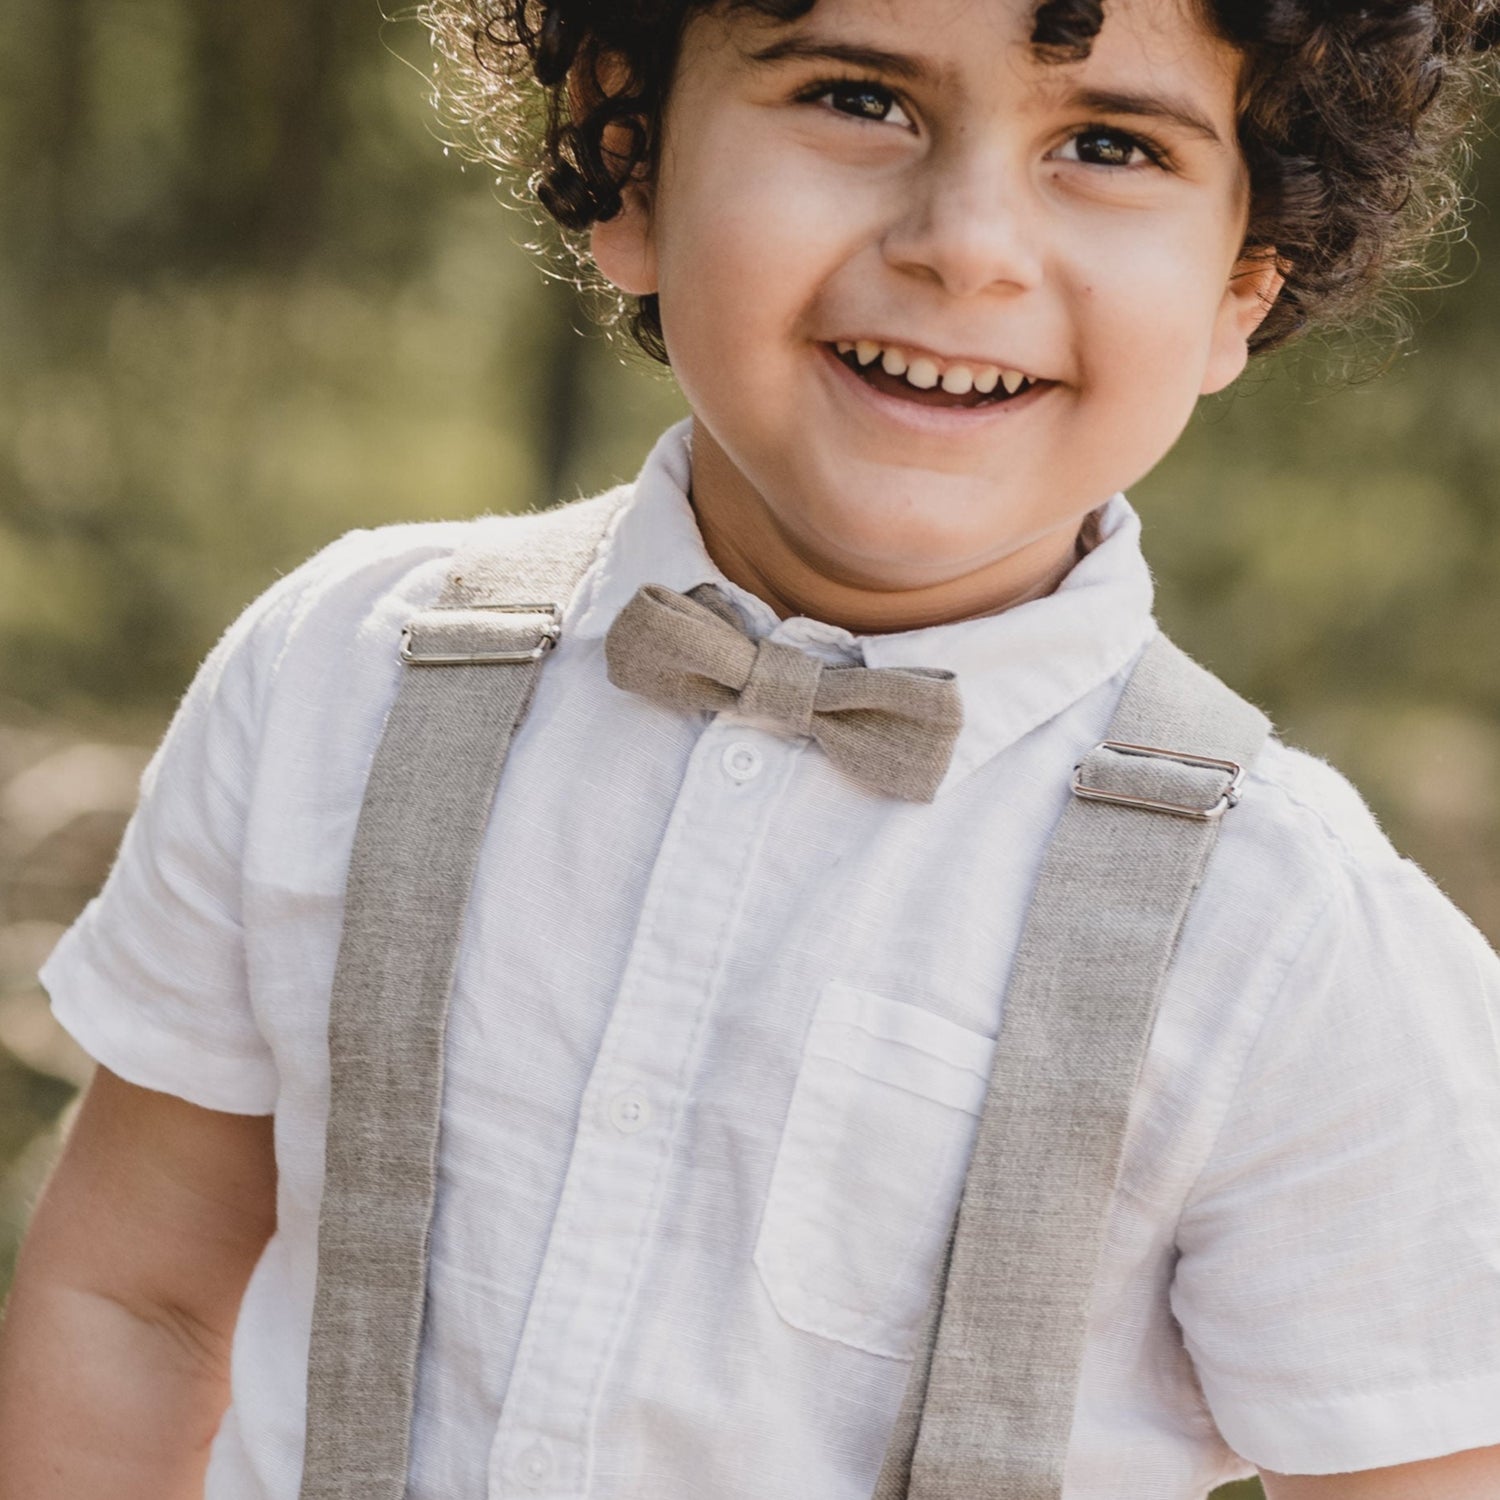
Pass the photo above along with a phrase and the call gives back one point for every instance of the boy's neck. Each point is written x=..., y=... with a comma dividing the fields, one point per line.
x=752, y=550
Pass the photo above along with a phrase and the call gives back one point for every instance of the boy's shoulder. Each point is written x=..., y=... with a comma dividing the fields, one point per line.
x=371, y=556
x=375, y=556
x=1308, y=851
x=331, y=620
x=371, y=571
x=1310, y=800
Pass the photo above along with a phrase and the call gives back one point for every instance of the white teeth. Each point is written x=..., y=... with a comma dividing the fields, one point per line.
x=922, y=373
x=926, y=373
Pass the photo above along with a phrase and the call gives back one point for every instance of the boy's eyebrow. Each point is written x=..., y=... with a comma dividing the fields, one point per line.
x=915, y=69
x=873, y=59
x=1146, y=106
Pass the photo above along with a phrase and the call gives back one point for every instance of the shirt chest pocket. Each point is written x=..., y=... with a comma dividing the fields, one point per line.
x=870, y=1168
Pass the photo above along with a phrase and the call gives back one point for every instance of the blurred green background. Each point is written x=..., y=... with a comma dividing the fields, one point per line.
x=246, y=303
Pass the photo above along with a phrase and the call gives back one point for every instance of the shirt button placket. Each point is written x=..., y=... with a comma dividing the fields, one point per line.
x=618, y=1170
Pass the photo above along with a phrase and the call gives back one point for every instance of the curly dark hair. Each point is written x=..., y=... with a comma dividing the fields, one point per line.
x=1352, y=117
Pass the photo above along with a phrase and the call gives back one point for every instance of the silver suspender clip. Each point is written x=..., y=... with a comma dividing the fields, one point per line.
x=1229, y=798
x=548, y=636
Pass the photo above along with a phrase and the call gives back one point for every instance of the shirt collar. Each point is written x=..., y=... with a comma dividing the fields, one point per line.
x=1016, y=670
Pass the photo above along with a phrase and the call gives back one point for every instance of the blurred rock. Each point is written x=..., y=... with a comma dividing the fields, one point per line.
x=27, y=1030
x=28, y=1033
x=54, y=879
x=64, y=802
x=24, y=947
x=22, y=746
x=73, y=781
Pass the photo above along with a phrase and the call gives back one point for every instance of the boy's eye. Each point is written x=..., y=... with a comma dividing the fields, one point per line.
x=1103, y=146
x=862, y=99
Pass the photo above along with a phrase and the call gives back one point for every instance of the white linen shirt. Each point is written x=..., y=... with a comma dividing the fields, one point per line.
x=719, y=1039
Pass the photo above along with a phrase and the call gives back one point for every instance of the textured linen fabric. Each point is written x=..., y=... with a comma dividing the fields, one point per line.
x=891, y=729
x=717, y=1049
x=1000, y=1383
x=471, y=674
x=1079, y=1007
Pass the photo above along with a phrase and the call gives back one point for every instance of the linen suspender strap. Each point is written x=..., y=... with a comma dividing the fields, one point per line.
x=472, y=664
x=989, y=1407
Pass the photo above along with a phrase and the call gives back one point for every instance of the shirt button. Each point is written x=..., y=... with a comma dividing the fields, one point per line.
x=743, y=762
x=629, y=1112
x=533, y=1465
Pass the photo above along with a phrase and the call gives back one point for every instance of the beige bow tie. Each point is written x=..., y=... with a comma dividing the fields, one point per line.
x=892, y=729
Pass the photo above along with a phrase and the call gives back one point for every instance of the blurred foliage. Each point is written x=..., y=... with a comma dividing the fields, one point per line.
x=245, y=304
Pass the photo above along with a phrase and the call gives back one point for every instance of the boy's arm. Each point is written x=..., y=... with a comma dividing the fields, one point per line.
x=1473, y=1475
x=114, y=1354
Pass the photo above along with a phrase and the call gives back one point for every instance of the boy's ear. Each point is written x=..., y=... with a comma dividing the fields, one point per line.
x=1253, y=286
x=622, y=247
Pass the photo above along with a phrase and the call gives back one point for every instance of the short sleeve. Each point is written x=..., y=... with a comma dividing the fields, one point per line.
x=151, y=980
x=1338, y=1280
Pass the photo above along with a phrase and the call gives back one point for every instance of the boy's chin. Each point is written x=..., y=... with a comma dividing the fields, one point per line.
x=903, y=541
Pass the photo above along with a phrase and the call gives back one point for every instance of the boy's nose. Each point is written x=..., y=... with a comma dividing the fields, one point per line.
x=968, y=227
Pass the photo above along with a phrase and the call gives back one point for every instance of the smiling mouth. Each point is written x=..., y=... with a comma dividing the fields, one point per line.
x=924, y=381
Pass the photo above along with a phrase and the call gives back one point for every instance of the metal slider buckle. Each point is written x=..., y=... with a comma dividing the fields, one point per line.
x=1206, y=762
x=550, y=634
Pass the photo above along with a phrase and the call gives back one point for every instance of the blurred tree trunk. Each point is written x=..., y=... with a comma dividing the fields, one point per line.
x=267, y=79
x=54, y=130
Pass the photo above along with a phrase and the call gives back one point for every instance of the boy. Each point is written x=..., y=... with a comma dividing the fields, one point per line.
x=937, y=282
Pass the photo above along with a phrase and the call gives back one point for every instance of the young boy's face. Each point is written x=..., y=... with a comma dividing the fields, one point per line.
x=910, y=179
